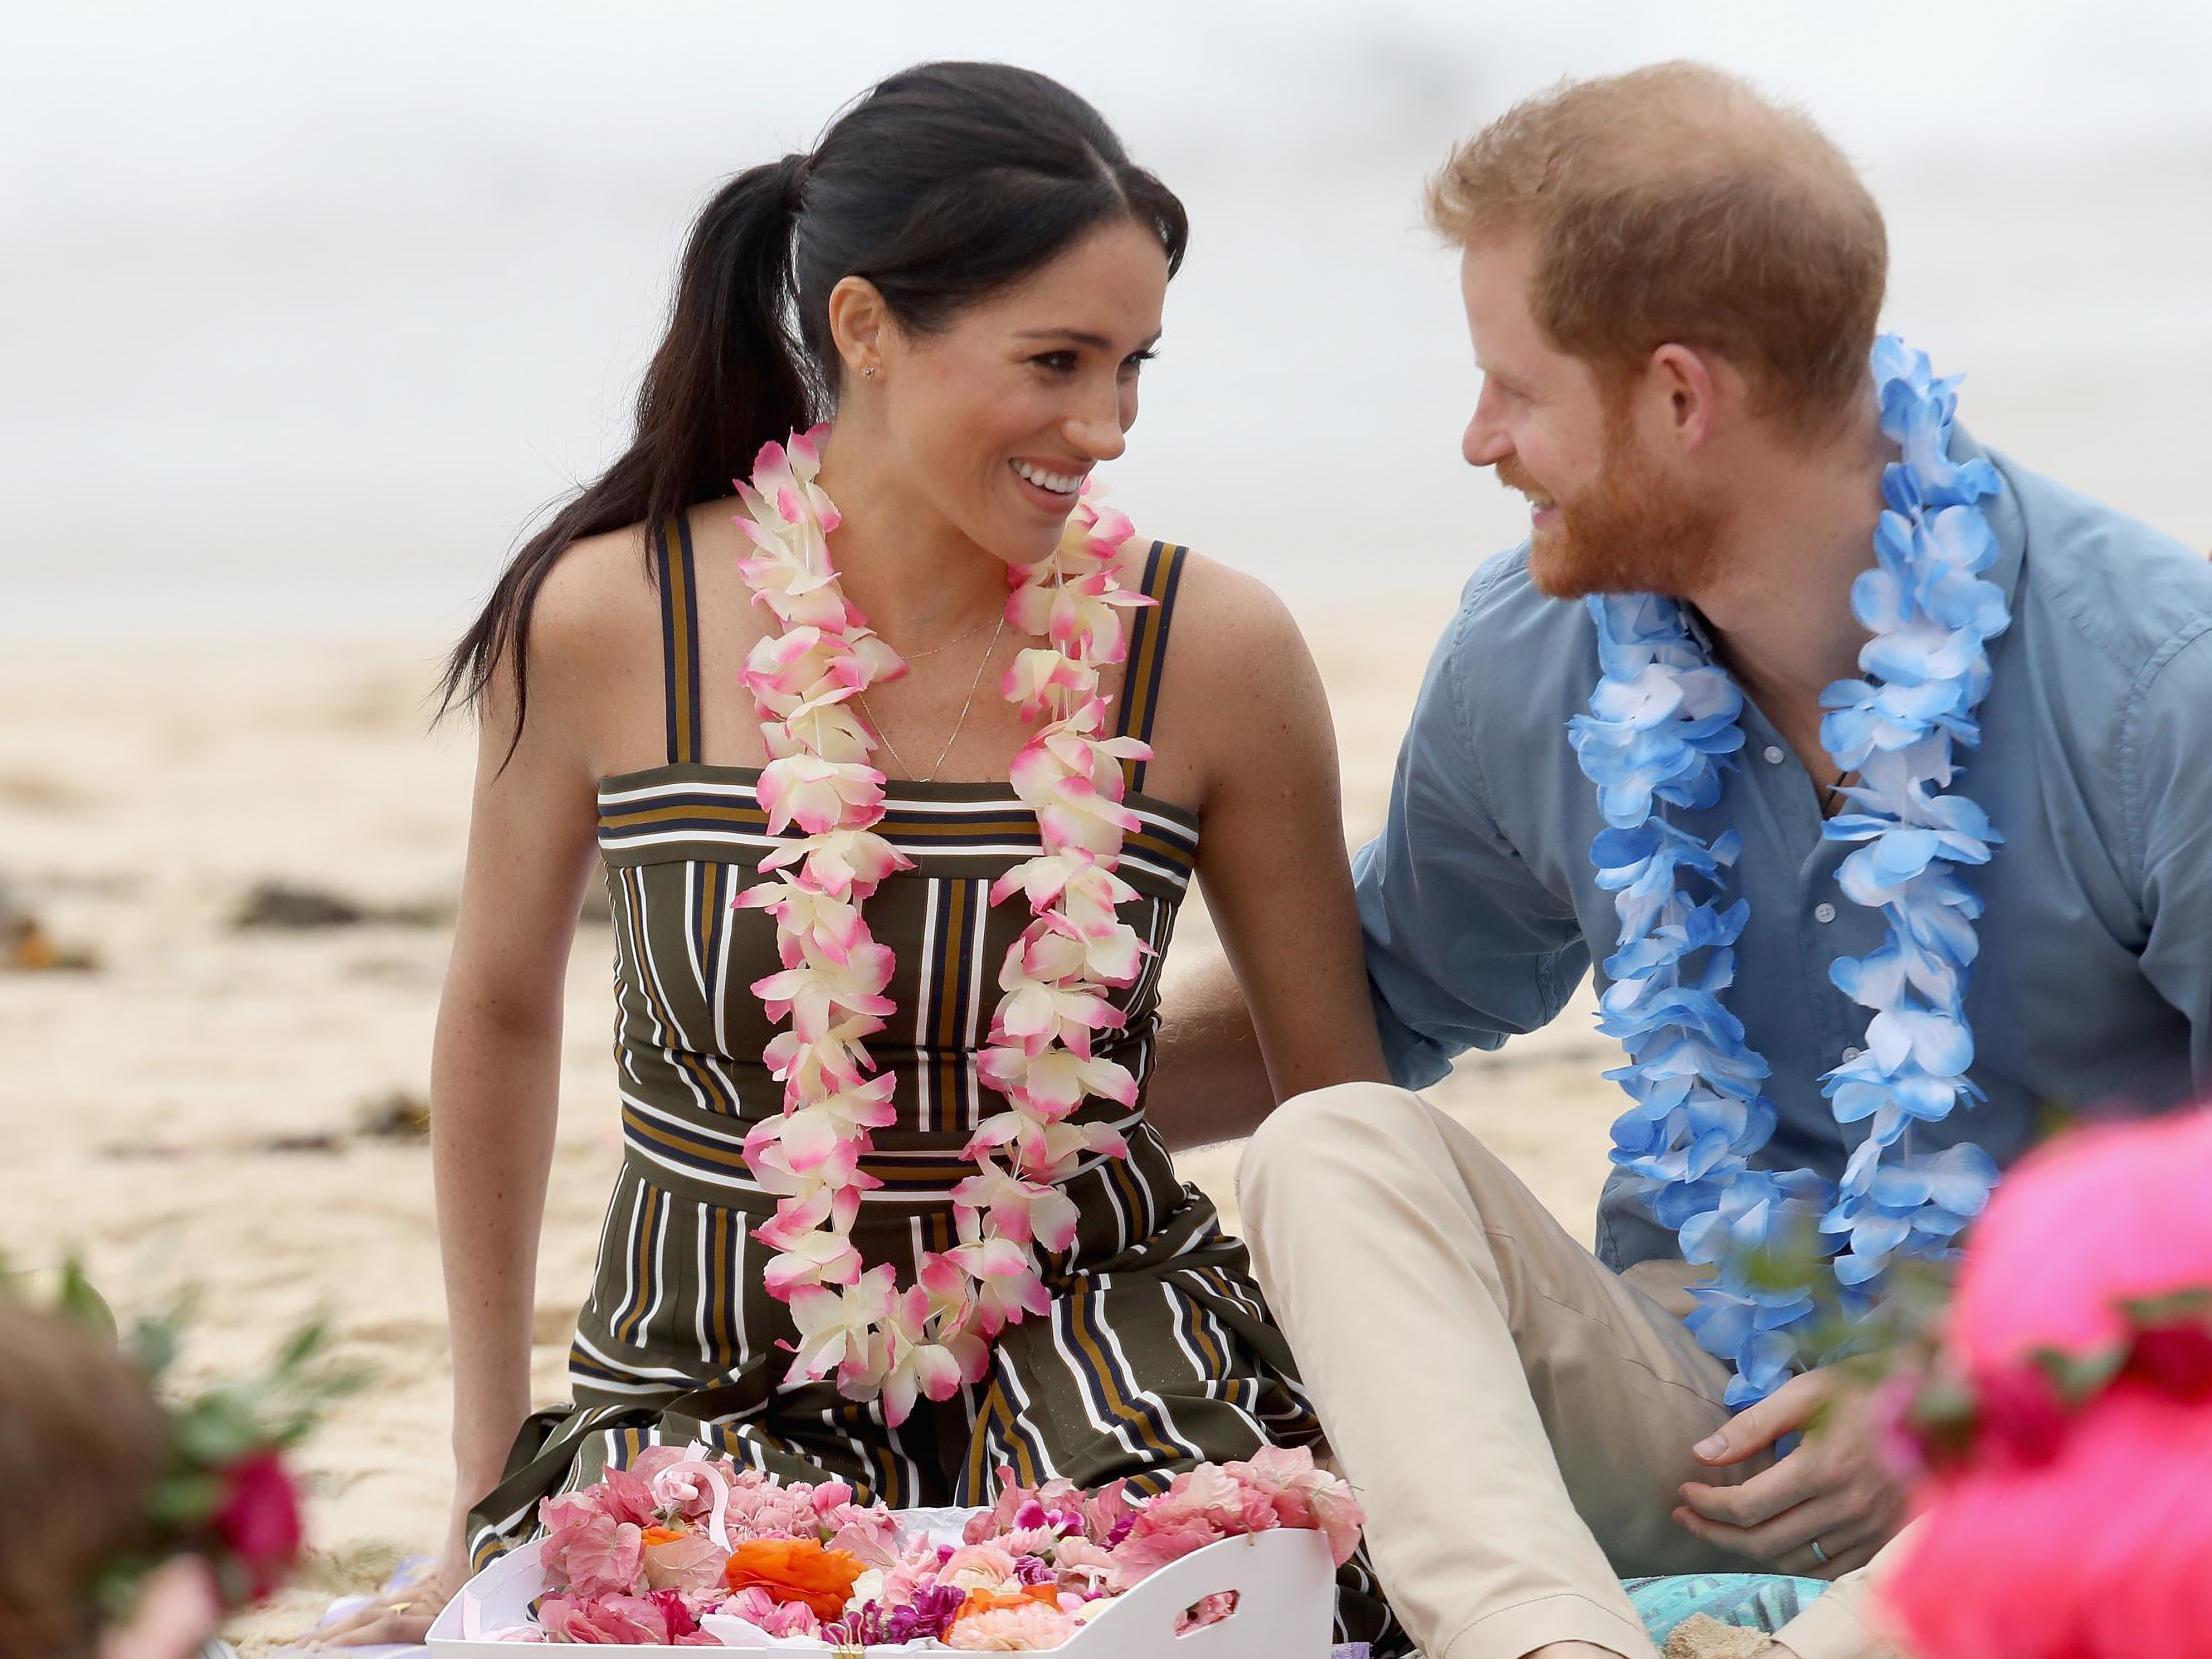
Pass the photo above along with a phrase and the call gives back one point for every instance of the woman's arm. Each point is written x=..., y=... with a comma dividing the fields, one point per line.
x=1272, y=864
x=495, y=1061
x=495, y=1065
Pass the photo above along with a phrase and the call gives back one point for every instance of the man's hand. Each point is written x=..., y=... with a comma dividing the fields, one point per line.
x=1832, y=1490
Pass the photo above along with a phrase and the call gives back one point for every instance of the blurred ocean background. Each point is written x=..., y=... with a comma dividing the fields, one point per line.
x=305, y=310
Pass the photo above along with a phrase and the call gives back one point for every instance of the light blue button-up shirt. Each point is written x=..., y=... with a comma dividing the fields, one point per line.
x=2094, y=984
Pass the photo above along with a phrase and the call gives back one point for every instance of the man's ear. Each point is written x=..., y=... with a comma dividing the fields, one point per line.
x=1684, y=380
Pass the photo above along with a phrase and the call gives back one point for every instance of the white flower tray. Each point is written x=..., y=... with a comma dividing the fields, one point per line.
x=1284, y=1580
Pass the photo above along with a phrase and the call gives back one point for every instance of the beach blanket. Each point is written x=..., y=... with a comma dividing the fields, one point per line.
x=1751, y=1601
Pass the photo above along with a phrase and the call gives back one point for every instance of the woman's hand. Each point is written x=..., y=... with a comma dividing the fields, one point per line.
x=403, y=1615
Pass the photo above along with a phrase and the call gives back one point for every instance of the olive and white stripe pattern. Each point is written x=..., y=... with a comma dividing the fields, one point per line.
x=1157, y=1352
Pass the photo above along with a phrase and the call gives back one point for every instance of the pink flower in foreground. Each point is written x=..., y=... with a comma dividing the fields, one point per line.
x=1022, y=1629
x=777, y=1618
x=1302, y=1494
x=1205, y=1611
x=258, y=1520
x=1088, y=1568
x=662, y=1619
x=1152, y=1545
x=692, y=1562
x=1202, y=1505
x=978, y=1567
x=624, y=1496
x=867, y=1531
x=595, y=1555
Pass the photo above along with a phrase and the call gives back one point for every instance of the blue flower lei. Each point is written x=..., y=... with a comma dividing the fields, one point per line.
x=1662, y=726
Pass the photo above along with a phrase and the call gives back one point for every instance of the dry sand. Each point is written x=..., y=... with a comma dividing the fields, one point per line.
x=190, y=1111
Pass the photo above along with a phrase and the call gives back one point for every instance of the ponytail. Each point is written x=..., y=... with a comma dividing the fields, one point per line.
x=727, y=377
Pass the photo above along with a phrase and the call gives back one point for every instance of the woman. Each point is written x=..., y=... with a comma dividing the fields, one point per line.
x=959, y=1272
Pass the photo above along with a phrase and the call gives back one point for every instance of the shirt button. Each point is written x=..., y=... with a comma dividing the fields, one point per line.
x=1774, y=754
x=1853, y=1053
x=1824, y=913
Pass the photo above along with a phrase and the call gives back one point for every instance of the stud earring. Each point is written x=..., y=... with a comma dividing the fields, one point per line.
x=869, y=371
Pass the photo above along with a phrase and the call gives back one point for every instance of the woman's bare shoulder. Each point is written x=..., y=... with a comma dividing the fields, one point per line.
x=596, y=604
x=1238, y=683
x=1230, y=631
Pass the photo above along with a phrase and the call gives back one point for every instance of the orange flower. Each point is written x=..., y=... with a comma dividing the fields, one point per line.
x=989, y=1601
x=795, y=1569
x=660, y=1535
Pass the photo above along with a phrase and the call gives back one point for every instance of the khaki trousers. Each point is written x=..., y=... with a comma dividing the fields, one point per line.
x=1514, y=1416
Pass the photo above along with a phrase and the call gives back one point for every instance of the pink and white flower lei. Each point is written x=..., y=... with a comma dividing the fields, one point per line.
x=877, y=1339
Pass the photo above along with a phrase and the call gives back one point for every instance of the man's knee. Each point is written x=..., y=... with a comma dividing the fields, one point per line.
x=1335, y=1138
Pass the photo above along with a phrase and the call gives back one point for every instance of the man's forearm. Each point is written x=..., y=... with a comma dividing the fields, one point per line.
x=1210, y=1080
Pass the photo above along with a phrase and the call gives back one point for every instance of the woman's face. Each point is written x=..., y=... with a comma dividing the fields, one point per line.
x=996, y=419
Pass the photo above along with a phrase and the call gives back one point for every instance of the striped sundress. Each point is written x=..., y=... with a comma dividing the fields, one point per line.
x=1158, y=1352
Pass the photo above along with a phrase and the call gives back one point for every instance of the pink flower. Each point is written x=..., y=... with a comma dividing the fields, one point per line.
x=1019, y=1212
x=978, y=1567
x=1020, y=1629
x=1302, y=1494
x=869, y=1531
x=1202, y=1505
x=819, y=795
x=1079, y=883
x=1105, y=1510
x=1041, y=1152
x=692, y=1562
x=622, y=1495
x=1004, y=1281
x=1088, y=1568
x=1074, y=785
x=1151, y=1545
x=814, y=996
x=596, y=1555
x=778, y=1618
x=1053, y=1084
x=1046, y=681
x=662, y=1619
x=1205, y=1611
x=840, y=862
x=836, y=1060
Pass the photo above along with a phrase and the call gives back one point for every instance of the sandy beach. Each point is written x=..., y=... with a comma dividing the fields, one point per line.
x=236, y=1111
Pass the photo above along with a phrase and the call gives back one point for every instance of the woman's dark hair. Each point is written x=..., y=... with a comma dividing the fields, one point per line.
x=941, y=185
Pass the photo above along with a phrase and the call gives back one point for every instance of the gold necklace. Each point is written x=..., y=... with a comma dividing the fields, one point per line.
x=917, y=656
x=930, y=776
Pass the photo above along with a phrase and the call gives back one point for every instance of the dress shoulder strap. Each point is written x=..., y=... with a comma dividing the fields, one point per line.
x=679, y=636
x=1148, y=629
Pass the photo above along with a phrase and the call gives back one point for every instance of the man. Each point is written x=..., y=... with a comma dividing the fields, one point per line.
x=1672, y=288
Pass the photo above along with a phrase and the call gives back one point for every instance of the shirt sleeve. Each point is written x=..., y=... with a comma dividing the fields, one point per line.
x=2170, y=747
x=1465, y=945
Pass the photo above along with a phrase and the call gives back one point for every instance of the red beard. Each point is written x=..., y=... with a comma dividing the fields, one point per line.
x=1635, y=530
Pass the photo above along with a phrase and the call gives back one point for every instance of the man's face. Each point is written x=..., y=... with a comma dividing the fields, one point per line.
x=1606, y=515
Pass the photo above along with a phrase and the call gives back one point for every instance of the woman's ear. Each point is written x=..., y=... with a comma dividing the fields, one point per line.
x=859, y=321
